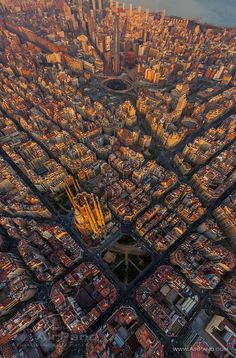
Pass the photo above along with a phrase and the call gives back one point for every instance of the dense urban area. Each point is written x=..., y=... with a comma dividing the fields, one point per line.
x=117, y=182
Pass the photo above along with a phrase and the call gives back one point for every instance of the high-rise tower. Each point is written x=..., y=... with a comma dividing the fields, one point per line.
x=116, y=44
x=90, y=216
x=91, y=25
x=182, y=103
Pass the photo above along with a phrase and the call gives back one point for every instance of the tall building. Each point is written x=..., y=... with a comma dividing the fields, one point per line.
x=163, y=15
x=65, y=8
x=100, y=4
x=182, y=103
x=90, y=216
x=91, y=25
x=130, y=10
x=116, y=46
x=94, y=4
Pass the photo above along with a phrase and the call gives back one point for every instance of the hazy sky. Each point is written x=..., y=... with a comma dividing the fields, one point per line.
x=219, y=12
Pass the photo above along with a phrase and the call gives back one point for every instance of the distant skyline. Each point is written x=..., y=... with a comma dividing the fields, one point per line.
x=217, y=12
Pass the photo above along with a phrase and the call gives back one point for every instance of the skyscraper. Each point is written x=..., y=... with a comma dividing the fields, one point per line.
x=64, y=7
x=130, y=10
x=91, y=25
x=94, y=5
x=182, y=102
x=116, y=44
x=100, y=4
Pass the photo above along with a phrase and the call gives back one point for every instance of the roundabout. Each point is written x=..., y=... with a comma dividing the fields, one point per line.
x=117, y=85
